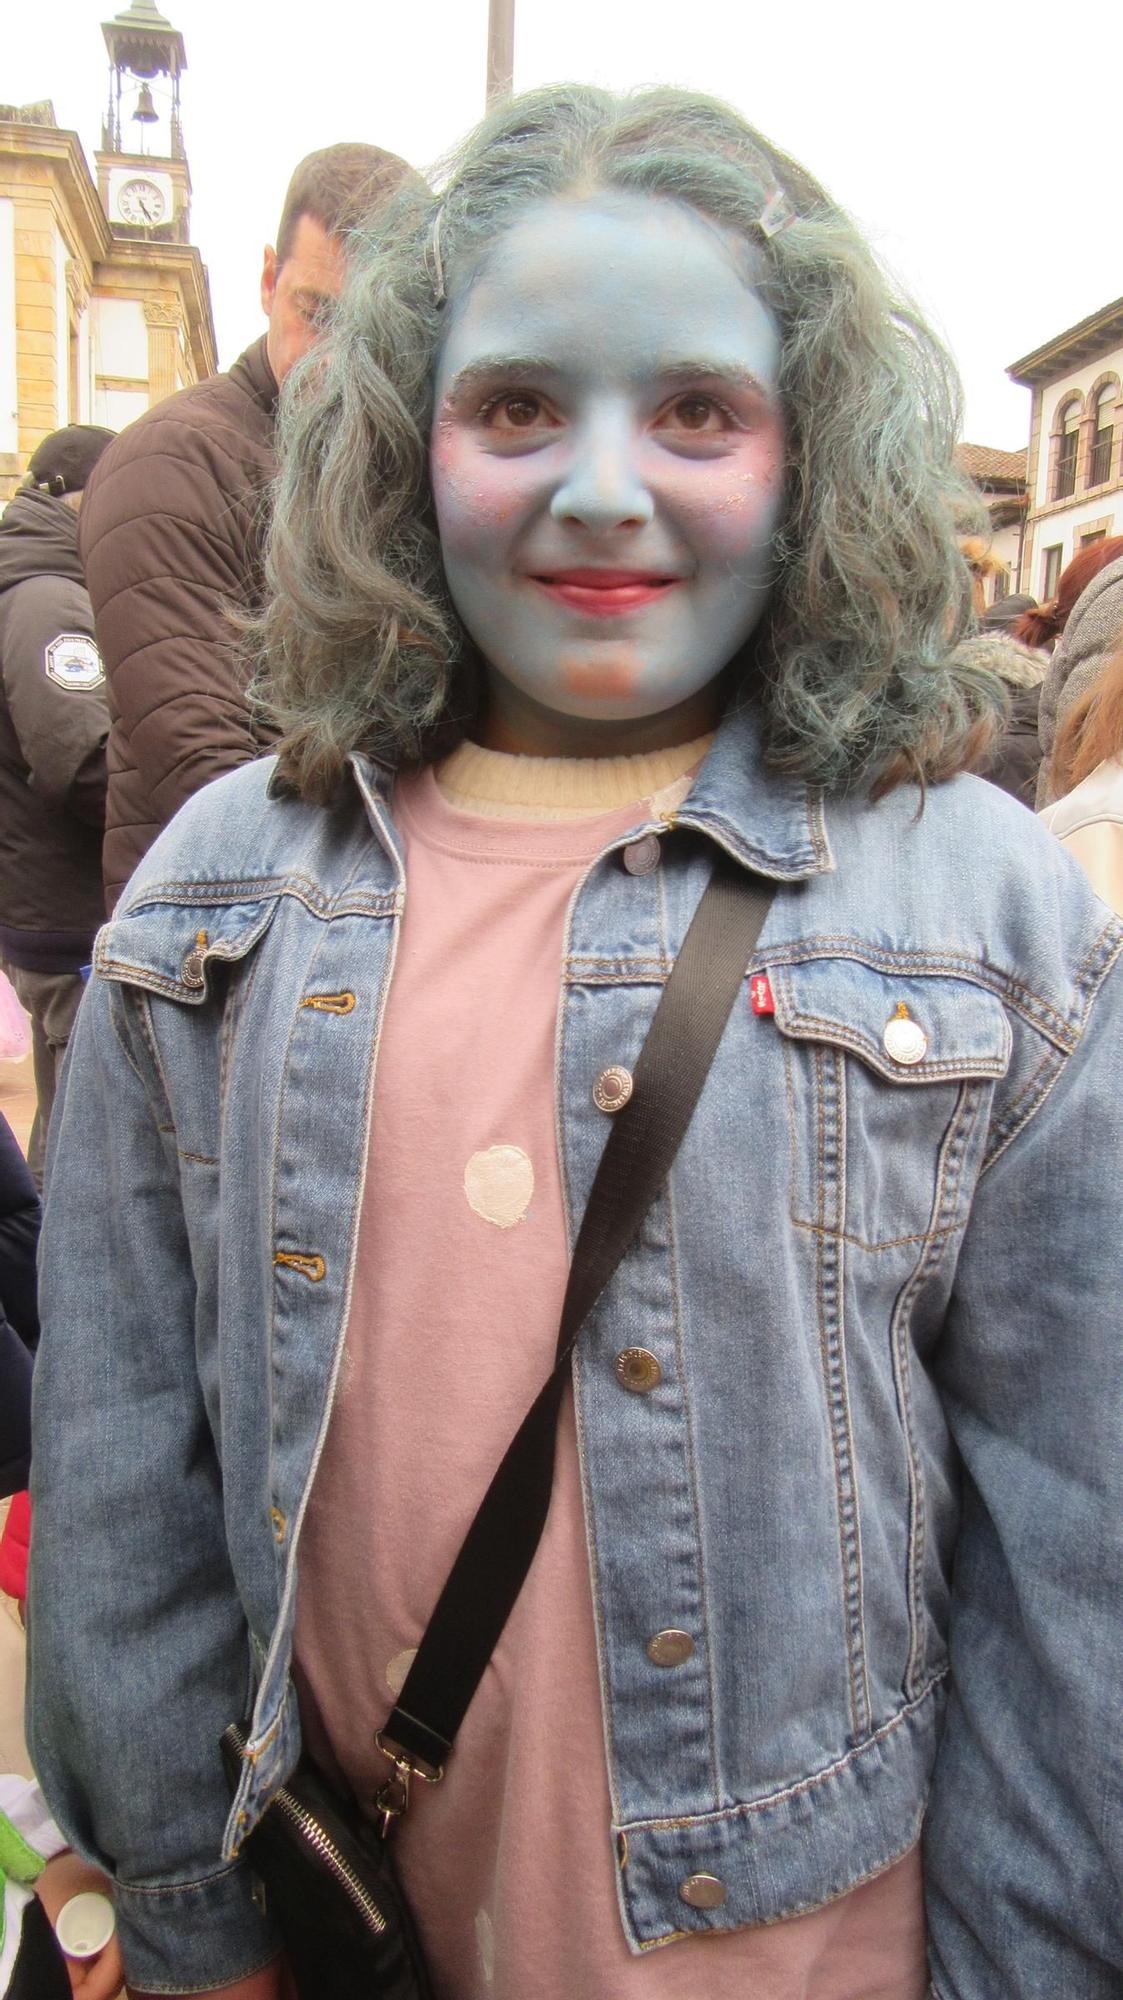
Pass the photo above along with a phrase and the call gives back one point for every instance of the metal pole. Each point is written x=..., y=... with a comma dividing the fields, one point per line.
x=500, y=50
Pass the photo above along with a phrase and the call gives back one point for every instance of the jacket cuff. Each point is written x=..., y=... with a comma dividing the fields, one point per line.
x=190, y=1937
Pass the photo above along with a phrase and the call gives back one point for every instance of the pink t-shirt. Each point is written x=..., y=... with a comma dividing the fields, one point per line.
x=509, y=1864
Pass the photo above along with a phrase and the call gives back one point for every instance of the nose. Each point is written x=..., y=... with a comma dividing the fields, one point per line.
x=603, y=487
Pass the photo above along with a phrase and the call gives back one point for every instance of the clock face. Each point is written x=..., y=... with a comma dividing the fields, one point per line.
x=141, y=201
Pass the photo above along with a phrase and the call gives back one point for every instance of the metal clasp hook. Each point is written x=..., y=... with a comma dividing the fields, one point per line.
x=391, y=1799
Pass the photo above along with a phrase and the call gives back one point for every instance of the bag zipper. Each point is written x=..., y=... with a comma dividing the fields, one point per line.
x=322, y=1844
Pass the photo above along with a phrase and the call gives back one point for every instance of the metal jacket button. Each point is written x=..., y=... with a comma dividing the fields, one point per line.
x=642, y=855
x=638, y=1369
x=612, y=1089
x=703, y=1892
x=904, y=1038
x=670, y=1648
x=191, y=969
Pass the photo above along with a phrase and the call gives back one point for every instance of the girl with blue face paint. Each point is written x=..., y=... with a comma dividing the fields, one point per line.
x=616, y=533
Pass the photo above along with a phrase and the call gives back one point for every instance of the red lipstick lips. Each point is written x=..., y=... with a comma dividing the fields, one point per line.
x=605, y=593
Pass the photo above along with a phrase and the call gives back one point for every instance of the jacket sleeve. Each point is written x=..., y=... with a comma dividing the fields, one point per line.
x=165, y=542
x=138, y=1651
x=1024, y=1839
x=56, y=695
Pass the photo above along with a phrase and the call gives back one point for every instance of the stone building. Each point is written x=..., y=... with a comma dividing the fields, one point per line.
x=1000, y=477
x=1075, y=474
x=104, y=302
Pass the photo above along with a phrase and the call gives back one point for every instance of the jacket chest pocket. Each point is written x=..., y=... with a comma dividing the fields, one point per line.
x=888, y=1079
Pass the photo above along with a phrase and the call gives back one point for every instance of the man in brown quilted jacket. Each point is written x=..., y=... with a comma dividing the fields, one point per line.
x=171, y=527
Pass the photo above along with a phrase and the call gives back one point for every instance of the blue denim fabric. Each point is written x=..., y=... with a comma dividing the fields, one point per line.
x=879, y=1483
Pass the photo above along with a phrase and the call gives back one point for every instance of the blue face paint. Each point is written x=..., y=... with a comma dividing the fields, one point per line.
x=607, y=464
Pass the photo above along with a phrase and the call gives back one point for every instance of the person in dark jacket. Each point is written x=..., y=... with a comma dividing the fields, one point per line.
x=171, y=535
x=1011, y=762
x=54, y=721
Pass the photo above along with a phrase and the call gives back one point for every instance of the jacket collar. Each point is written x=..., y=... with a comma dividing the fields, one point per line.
x=771, y=822
x=252, y=373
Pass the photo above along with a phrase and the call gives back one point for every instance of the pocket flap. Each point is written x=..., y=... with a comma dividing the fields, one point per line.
x=168, y=947
x=910, y=1028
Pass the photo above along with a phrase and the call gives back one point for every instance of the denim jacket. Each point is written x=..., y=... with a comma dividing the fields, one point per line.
x=880, y=1482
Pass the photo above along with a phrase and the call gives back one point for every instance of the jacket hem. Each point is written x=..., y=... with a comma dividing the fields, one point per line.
x=192, y=1937
x=792, y=1851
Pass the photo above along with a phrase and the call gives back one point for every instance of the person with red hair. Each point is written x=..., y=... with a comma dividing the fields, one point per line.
x=1086, y=617
x=1088, y=767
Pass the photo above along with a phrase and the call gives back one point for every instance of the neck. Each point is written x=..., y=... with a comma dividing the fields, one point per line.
x=516, y=723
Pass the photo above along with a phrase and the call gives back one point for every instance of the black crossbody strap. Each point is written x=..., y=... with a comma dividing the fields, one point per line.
x=497, y=1551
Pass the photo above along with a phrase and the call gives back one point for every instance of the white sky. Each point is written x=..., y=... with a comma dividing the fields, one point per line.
x=976, y=145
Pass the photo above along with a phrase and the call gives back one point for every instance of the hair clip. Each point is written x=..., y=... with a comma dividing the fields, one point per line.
x=435, y=257
x=776, y=214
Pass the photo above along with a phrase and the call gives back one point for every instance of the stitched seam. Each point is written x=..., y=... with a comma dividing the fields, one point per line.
x=1018, y=1114
x=830, y=1127
x=197, y=1159
x=158, y=1889
x=858, y=1594
x=891, y=1242
x=807, y=1907
x=950, y=965
x=147, y=1029
x=257, y=889
x=117, y=996
x=948, y=1172
x=823, y=1243
x=692, y=1468
x=863, y=1045
x=802, y=1786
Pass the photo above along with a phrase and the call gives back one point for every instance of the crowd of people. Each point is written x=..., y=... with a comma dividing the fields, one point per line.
x=580, y=545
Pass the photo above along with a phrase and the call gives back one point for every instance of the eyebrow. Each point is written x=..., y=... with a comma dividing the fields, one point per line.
x=721, y=371
x=479, y=373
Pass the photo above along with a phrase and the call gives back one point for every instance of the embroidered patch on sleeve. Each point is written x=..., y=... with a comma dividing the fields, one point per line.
x=73, y=661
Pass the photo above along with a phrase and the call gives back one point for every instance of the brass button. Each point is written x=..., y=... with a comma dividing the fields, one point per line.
x=612, y=1089
x=670, y=1648
x=637, y=1369
x=703, y=1892
x=641, y=856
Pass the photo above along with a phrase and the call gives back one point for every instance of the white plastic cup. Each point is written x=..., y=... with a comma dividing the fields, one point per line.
x=85, y=1924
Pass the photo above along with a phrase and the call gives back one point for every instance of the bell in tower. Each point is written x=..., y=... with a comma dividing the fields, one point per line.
x=142, y=166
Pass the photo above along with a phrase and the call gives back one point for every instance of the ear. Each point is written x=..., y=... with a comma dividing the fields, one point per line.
x=268, y=280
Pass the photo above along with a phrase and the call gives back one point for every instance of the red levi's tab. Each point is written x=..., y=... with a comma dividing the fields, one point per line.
x=761, y=991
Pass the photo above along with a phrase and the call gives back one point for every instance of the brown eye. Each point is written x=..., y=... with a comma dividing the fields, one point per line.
x=694, y=413
x=518, y=413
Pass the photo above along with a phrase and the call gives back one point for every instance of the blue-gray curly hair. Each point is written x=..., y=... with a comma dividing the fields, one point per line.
x=358, y=645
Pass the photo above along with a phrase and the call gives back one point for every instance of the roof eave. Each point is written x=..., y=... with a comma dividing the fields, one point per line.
x=1091, y=336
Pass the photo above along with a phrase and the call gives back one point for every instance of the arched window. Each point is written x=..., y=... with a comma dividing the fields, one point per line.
x=1103, y=435
x=1064, y=482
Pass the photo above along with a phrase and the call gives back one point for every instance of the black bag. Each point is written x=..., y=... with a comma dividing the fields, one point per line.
x=326, y=1870
x=326, y=1878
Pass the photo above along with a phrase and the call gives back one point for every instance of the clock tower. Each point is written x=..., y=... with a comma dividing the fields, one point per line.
x=142, y=174
x=105, y=307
